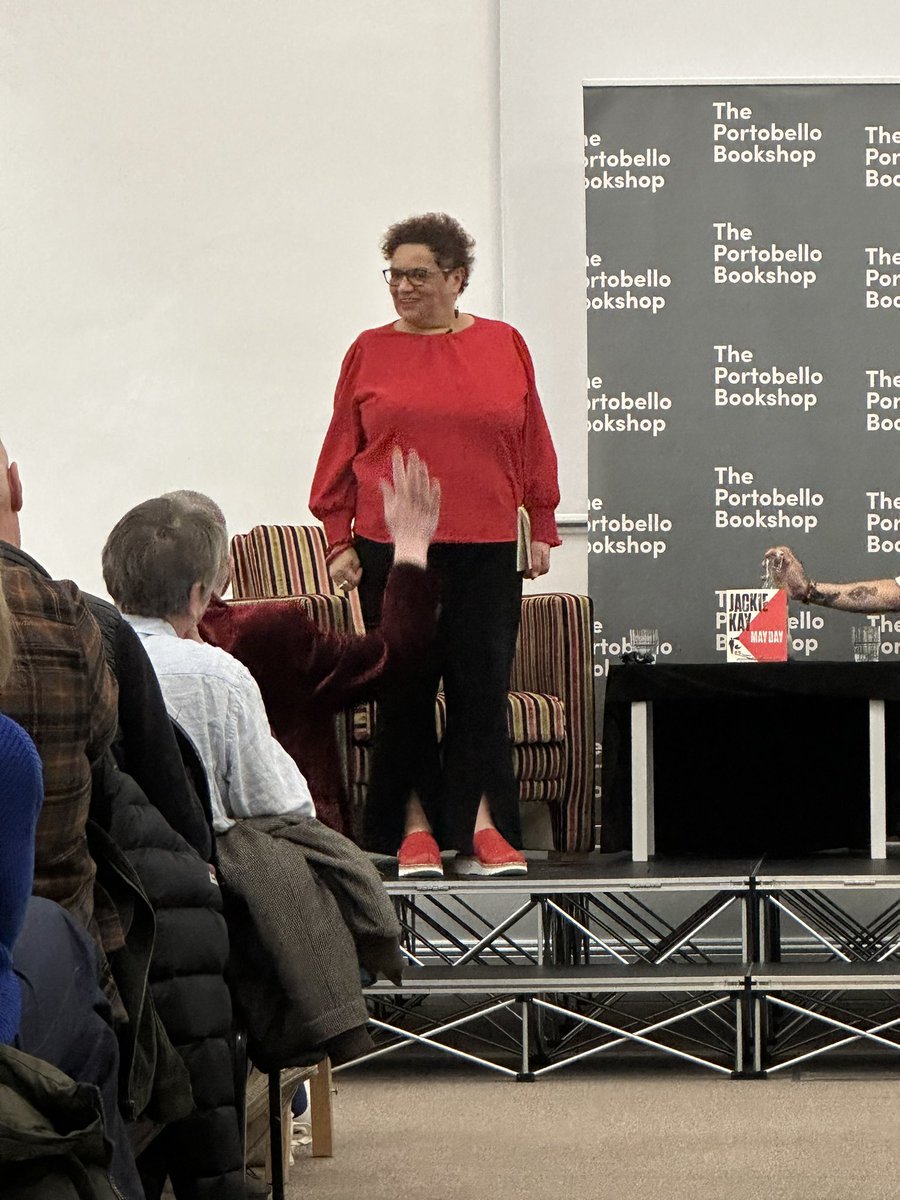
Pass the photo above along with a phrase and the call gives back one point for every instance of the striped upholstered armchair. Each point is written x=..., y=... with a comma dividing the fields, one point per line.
x=551, y=702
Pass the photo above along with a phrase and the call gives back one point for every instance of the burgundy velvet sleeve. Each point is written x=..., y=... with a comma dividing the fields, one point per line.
x=297, y=664
x=351, y=668
x=408, y=617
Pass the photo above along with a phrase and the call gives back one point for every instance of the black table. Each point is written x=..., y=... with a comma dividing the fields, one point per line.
x=738, y=758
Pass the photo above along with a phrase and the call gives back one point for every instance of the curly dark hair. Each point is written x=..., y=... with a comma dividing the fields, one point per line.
x=442, y=234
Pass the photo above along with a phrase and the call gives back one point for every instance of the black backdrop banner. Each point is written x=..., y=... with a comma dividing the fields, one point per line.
x=743, y=313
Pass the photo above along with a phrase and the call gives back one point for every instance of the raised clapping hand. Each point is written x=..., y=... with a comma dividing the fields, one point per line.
x=412, y=506
x=784, y=570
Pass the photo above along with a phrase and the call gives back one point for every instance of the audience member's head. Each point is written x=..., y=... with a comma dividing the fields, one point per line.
x=163, y=559
x=198, y=502
x=10, y=499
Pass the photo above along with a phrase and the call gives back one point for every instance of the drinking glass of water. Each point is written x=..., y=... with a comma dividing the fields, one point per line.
x=866, y=643
x=644, y=643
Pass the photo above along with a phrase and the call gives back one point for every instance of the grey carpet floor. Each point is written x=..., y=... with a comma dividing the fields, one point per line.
x=647, y=1134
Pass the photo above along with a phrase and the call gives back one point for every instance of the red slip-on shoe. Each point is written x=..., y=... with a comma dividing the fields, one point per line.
x=419, y=857
x=493, y=856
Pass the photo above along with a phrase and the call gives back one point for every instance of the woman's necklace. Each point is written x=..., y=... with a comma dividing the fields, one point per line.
x=451, y=328
x=425, y=331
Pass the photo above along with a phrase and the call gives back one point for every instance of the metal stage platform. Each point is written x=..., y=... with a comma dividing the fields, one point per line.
x=743, y=967
x=817, y=898
x=828, y=949
x=800, y=1012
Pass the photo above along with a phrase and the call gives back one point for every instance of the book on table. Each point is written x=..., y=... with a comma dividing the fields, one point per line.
x=756, y=624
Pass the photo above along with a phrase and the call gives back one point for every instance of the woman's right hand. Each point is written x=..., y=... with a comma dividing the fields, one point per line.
x=345, y=570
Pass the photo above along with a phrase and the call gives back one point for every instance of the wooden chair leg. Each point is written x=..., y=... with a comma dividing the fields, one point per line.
x=320, y=1110
x=287, y=1120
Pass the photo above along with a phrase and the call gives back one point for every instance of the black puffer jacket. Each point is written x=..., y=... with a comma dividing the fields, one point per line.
x=169, y=844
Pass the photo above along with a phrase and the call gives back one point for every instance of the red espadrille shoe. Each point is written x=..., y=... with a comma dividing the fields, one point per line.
x=493, y=856
x=419, y=857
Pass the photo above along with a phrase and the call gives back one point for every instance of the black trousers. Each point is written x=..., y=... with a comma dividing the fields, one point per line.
x=480, y=602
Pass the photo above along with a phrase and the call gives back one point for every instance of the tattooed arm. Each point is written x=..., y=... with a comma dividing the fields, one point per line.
x=866, y=596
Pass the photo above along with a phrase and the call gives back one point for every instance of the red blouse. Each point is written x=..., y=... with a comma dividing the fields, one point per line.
x=468, y=404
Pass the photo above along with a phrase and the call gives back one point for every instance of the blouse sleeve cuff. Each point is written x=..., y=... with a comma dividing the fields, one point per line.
x=337, y=529
x=543, y=526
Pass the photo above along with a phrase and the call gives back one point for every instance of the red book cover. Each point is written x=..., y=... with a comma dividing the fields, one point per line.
x=757, y=625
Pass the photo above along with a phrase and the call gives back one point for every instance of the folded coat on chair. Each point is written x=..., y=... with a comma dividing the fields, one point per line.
x=306, y=909
x=52, y=1140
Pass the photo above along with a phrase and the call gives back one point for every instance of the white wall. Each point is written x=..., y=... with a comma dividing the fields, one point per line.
x=192, y=197
x=546, y=52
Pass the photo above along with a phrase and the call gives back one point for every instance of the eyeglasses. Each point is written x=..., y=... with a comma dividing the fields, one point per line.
x=417, y=276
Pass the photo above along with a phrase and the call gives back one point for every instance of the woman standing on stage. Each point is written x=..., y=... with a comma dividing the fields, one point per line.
x=460, y=391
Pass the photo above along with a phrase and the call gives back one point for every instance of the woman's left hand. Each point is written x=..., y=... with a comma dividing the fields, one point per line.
x=540, y=560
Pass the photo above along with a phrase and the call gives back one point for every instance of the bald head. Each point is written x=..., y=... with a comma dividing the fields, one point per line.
x=10, y=499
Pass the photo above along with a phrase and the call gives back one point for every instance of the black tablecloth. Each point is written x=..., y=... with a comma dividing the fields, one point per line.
x=751, y=758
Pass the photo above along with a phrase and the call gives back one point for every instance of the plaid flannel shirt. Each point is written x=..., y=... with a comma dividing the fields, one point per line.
x=62, y=692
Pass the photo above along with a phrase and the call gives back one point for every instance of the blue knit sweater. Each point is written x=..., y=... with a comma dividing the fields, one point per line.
x=21, y=793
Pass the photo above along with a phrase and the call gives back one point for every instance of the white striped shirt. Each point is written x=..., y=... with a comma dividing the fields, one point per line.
x=217, y=702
